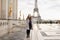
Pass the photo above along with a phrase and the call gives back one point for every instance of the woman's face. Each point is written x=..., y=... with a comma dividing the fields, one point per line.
x=29, y=15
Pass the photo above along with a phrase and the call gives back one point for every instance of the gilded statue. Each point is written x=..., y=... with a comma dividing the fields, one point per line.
x=10, y=10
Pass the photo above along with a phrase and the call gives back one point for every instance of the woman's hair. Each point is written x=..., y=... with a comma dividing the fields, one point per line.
x=29, y=16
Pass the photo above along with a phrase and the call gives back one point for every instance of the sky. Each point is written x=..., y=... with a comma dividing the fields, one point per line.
x=48, y=9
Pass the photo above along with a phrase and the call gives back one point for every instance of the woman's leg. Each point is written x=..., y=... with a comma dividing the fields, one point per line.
x=28, y=33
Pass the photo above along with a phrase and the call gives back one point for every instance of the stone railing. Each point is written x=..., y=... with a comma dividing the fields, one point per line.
x=7, y=25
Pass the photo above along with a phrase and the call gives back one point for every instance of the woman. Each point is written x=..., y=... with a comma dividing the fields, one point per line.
x=29, y=19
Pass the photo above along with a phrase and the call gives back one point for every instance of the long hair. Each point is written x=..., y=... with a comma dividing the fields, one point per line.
x=29, y=17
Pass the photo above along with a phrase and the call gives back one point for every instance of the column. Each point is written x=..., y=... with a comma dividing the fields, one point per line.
x=0, y=9
x=3, y=14
x=15, y=9
x=7, y=9
x=4, y=9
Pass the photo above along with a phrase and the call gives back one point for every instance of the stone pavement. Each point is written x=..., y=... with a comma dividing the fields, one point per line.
x=17, y=33
x=38, y=33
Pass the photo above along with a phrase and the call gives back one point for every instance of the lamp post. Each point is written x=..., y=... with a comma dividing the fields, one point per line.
x=20, y=15
x=23, y=16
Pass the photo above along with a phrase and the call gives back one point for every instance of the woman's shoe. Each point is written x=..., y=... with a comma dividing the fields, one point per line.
x=28, y=36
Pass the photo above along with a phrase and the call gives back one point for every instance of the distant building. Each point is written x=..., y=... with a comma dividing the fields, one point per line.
x=20, y=15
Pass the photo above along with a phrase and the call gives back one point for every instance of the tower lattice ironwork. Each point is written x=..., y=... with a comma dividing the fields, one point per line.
x=38, y=17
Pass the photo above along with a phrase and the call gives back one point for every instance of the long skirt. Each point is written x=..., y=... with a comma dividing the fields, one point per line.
x=30, y=25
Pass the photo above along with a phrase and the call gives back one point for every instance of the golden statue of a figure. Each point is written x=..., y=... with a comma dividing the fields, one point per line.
x=10, y=10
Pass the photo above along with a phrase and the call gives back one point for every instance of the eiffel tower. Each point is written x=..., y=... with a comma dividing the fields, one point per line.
x=38, y=17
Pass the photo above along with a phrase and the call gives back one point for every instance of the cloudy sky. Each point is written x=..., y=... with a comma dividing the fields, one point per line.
x=48, y=9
